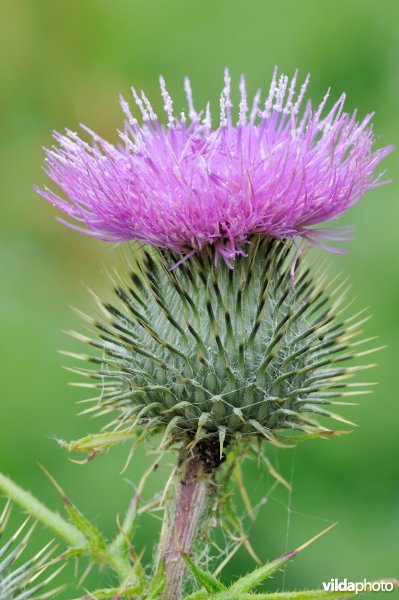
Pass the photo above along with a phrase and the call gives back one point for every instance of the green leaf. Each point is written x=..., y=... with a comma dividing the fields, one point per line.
x=111, y=593
x=200, y=595
x=157, y=591
x=90, y=542
x=256, y=577
x=158, y=579
x=210, y=583
x=66, y=531
x=305, y=595
x=94, y=537
x=298, y=595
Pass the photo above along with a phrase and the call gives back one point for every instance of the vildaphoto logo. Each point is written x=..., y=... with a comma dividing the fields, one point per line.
x=335, y=585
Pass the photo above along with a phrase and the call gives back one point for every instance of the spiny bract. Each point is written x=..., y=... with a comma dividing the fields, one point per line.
x=204, y=350
x=25, y=580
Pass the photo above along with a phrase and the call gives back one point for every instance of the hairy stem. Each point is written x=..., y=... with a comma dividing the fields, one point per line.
x=195, y=495
x=73, y=537
x=66, y=531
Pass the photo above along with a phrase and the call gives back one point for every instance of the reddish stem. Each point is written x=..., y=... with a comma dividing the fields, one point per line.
x=196, y=488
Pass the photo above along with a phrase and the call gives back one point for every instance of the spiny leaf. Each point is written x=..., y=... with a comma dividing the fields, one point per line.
x=93, y=536
x=69, y=533
x=155, y=594
x=112, y=593
x=78, y=542
x=158, y=581
x=295, y=595
x=200, y=595
x=308, y=595
x=211, y=584
x=251, y=580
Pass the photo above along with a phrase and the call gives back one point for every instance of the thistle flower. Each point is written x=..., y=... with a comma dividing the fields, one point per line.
x=203, y=349
x=202, y=353
x=279, y=171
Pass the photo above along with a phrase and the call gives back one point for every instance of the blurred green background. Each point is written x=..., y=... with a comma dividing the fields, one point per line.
x=65, y=62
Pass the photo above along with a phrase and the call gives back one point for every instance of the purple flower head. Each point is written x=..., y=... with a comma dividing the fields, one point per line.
x=278, y=171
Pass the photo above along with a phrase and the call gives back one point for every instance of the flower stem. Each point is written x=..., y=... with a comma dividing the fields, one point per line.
x=195, y=495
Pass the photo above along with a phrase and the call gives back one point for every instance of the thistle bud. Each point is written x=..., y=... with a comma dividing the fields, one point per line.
x=203, y=350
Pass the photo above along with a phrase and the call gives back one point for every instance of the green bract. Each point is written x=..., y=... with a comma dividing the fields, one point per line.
x=27, y=579
x=200, y=350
